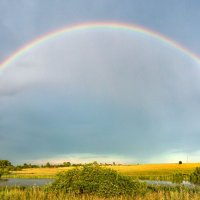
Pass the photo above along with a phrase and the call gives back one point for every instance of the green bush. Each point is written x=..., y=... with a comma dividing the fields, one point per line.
x=4, y=171
x=178, y=178
x=1, y=173
x=97, y=181
x=195, y=176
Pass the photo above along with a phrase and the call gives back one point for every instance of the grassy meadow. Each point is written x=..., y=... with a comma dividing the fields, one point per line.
x=36, y=193
x=145, y=171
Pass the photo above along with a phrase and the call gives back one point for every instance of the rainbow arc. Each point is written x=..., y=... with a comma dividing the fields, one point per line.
x=96, y=25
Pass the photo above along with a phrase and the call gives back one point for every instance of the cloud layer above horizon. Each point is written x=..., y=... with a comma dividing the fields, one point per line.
x=100, y=92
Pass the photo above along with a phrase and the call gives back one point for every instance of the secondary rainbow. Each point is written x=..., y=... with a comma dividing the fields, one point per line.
x=97, y=25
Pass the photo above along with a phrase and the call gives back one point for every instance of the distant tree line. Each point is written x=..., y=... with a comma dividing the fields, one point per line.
x=7, y=165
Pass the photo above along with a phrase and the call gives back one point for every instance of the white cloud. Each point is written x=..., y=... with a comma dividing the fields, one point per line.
x=176, y=156
x=86, y=158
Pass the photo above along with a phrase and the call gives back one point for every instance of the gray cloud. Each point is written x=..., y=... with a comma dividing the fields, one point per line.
x=23, y=20
x=101, y=92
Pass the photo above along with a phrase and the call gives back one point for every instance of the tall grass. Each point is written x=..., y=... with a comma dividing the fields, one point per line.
x=36, y=193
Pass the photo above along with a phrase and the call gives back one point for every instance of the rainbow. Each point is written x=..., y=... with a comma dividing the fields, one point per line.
x=97, y=25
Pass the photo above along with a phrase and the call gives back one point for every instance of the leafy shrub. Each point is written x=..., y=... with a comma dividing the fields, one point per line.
x=97, y=181
x=178, y=178
x=195, y=176
x=3, y=171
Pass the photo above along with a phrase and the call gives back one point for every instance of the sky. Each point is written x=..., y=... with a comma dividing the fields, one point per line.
x=100, y=94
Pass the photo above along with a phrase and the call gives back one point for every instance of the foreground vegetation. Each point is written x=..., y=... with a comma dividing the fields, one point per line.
x=96, y=182
x=155, y=193
x=195, y=176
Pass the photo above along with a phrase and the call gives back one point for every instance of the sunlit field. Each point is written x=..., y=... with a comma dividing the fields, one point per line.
x=148, y=171
x=37, y=172
x=156, y=170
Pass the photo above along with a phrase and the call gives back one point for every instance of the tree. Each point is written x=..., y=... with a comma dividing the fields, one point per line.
x=67, y=164
x=25, y=165
x=180, y=162
x=4, y=167
x=5, y=163
x=48, y=164
x=95, y=163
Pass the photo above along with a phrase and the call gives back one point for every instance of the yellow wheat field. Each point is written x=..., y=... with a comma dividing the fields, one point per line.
x=156, y=169
x=130, y=170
